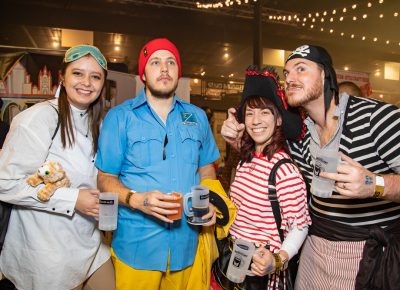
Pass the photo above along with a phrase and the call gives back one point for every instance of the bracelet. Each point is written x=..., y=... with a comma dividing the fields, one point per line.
x=128, y=197
x=278, y=262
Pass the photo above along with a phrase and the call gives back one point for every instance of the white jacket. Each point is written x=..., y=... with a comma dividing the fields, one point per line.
x=48, y=244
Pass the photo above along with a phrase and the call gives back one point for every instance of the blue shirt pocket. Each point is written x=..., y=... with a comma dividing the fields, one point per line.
x=145, y=146
x=191, y=143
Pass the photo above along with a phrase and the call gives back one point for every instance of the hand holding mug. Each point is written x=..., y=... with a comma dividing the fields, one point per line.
x=156, y=203
x=200, y=205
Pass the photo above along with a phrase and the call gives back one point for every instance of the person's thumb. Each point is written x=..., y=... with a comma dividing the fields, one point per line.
x=241, y=127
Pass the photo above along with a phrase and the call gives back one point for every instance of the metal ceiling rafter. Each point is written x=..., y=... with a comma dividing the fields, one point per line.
x=244, y=11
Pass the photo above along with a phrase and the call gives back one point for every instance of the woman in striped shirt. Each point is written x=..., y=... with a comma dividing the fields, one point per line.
x=268, y=123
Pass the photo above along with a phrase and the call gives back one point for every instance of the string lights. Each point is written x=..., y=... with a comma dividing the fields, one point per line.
x=322, y=20
x=222, y=4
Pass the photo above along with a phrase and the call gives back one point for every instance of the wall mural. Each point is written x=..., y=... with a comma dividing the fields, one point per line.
x=25, y=79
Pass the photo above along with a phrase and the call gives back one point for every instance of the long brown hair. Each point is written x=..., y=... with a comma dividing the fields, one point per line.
x=278, y=141
x=94, y=111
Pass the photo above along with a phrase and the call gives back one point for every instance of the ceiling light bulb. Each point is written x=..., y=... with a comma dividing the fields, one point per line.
x=342, y=33
x=116, y=48
x=380, y=15
x=322, y=29
x=369, y=4
x=363, y=38
x=387, y=41
x=226, y=55
x=331, y=31
x=346, y=68
x=354, y=18
x=202, y=73
x=375, y=39
x=377, y=74
x=322, y=19
x=325, y=13
x=341, y=18
x=354, y=6
x=365, y=16
x=344, y=10
x=56, y=44
x=380, y=1
x=396, y=14
x=352, y=36
x=312, y=26
x=334, y=12
x=196, y=81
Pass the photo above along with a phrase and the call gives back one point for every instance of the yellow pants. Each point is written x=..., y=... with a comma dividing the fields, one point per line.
x=128, y=278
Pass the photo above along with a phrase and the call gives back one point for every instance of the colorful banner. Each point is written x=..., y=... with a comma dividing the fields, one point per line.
x=359, y=78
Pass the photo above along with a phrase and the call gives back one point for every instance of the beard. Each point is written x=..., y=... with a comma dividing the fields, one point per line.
x=311, y=94
x=162, y=93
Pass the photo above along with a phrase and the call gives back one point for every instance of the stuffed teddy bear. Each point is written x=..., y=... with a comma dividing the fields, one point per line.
x=52, y=175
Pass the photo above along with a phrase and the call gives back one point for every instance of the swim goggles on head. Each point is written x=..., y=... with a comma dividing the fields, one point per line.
x=76, y=52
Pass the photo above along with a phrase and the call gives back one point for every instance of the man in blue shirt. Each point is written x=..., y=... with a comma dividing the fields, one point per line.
x=150, y=146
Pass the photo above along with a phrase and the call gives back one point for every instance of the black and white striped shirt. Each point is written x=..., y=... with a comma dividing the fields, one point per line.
x=371, y=136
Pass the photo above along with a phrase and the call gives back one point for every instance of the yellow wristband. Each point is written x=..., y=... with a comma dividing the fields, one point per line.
x=379, y=186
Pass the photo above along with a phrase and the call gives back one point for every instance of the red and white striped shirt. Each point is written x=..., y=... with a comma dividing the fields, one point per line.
x=255, y=220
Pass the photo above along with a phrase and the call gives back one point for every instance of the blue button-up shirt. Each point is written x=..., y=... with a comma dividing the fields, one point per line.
x=131, y=145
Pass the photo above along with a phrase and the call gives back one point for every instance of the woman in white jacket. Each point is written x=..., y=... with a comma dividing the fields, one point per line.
x=55, y=244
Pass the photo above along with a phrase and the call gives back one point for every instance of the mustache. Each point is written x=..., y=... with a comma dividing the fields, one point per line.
x=296, y=86
x=166, y=76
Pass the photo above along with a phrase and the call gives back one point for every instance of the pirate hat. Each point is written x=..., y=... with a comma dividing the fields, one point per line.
x=266, y=84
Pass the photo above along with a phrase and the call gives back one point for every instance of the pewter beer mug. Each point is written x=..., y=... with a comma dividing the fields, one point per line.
x=326, y=160
x=200, y=200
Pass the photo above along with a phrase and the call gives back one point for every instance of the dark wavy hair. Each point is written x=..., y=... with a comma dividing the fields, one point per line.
x=278, y=140
x=94, y=110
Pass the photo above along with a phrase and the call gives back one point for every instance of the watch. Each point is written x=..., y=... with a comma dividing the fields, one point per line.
x=128, y=197
x=379, y=186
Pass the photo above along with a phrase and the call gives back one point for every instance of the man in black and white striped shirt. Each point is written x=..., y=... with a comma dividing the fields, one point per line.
x=354, y=241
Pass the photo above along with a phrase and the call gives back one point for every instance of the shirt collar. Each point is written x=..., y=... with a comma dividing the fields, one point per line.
x=258, y=155
x=339, y=110
x=141, y=99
